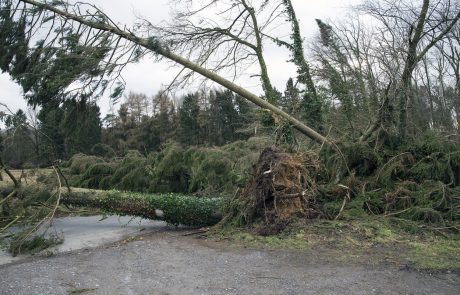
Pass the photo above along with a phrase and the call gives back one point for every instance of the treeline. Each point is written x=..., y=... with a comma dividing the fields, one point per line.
x=384, y=83
x=57, y=131
x=203, y=118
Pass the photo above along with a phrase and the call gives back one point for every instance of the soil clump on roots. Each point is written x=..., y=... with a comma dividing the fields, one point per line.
x=282, y=186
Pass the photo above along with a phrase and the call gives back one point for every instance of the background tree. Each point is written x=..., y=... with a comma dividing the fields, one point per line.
x=413, y=28
x=51, y=116
x=18, y=141
x=450, y=49
x=189, y=127
x=81, y=124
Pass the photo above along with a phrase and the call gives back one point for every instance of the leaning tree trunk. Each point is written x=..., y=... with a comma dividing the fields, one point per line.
x=155, y=45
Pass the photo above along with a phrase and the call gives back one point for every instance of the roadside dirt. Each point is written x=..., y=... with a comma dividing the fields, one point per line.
x=168, y=262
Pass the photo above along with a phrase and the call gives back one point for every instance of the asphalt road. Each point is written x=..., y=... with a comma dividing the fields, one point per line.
x=167, y=262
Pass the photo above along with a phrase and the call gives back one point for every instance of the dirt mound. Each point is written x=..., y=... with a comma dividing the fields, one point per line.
x=282, y=185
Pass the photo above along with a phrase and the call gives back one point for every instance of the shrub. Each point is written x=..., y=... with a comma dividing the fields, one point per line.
x=102, y=150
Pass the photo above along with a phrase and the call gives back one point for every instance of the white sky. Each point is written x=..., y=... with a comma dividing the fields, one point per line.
x=148, y=77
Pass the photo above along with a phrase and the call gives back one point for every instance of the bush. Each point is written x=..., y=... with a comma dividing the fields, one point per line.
x=79, y=163
x=103, y=150
x=94, y=175
x=207, y=171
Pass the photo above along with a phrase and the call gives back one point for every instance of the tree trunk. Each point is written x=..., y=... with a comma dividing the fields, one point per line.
x=457, y=105
x=174, y=209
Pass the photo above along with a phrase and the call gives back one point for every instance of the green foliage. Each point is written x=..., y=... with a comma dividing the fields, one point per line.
x=102, y=150
x=94, y=176
x=46, y=73
x=52, y=146
x=170, y=172
x=211, y=171
x=177, y=209
x=355, y=159
x=81, y=125
x=418, y=182
x=361, y=159
x=428, y=215
x=79, y=163
x=205, y=171
x=19, y=147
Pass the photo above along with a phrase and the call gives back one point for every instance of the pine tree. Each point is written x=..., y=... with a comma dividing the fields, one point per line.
x=189, y=128
x=81, y=126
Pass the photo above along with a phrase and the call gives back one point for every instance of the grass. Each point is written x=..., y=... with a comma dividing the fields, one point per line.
x=436, y=254
x=251, y=240
x=374, y=240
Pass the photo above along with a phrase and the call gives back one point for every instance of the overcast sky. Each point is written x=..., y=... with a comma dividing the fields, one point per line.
x=148, y=77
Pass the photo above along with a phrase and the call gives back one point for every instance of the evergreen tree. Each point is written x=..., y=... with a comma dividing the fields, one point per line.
x=246, y=121
x=18, y=144
x=291, y=98
x=223, y=118
x=81, y=125
x=52, y=143
x=189, y=127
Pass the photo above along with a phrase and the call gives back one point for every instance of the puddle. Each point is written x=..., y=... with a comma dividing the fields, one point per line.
x=91, y=231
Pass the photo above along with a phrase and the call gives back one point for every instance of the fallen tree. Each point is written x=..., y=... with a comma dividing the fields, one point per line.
x=173, y=208
x=418, y=188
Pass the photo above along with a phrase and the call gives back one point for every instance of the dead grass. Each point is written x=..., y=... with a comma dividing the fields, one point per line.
x=28, y=176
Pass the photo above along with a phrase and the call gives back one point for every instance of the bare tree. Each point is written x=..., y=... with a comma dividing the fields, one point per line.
x=138, y=105
x=450, y=49
x=414, y=29
x=223, y=36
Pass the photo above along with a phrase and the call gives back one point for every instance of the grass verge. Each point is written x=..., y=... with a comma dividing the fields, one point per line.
x=375, y=240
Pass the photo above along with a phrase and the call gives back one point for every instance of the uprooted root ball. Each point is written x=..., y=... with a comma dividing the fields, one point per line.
x=282, y=185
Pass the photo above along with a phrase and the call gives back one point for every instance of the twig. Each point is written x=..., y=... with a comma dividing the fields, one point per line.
x=446, y=227
x=288, y=196
x=396, y=213
x=11, y=223
x=58, y=198
x=343, y=157
x=347, y=197
x=50, y=216
x=65, y=179
x=7, y=197
x=195, y=232
x=389, y=161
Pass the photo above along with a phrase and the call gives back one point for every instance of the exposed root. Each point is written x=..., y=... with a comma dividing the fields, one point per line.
x=282, y=186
